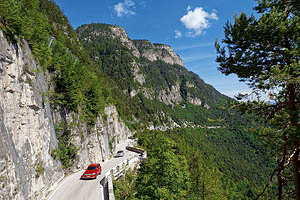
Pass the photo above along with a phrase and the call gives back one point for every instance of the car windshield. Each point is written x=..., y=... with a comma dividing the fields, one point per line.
x=120, y=152
x=91, y=168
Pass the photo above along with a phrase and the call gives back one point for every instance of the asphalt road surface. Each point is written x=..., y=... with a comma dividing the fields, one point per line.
x=72, y=188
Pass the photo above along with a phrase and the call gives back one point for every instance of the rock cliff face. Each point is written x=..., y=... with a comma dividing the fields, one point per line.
x=98, y=143
x=27, y=137
x=171, y=96
x=112, y=32
x=120, y=33
x=138, y=76
x=139, y=48
x=154, y=52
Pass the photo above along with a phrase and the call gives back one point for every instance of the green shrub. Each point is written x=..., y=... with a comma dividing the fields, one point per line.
x=39, y=168
x=66, y=150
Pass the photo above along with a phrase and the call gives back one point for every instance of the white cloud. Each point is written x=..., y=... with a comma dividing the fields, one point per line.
x=178, y=34
x=188, y=8
x=198, y=20
x=125, y=8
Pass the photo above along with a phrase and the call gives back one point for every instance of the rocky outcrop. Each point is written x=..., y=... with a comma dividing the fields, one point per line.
x=171, y=96
x=27, y=137
x=101, y=143
x=190, y=85
x=148, y=93
x=138, y=76
x=120, y=33
x=154, y=52
x=194, y=100
x=111, y=32
x=168, y=124
x=98, y=143
x=206, y=106
x=133, y=93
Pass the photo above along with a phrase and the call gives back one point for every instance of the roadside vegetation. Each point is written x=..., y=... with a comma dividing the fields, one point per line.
x=198, y=164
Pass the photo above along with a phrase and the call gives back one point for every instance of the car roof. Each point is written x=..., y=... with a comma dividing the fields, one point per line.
x=93, y=165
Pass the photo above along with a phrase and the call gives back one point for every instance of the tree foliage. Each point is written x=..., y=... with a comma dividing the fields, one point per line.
x=124, y=188
x=264, y=52
x=66, y=150
x=165, y=174
x=220, y=166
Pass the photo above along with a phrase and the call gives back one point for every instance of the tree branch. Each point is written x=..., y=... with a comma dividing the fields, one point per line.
x=268, y=184
x=276, y=108
x=290, y=158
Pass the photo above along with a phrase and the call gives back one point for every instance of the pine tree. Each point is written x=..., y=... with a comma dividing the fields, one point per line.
x=264, y=52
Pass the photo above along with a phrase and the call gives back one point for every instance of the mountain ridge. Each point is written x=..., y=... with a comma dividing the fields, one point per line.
x=154, y=53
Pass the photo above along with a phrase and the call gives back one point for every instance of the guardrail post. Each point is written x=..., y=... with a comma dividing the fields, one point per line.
x=101, y=192
x=111, y=194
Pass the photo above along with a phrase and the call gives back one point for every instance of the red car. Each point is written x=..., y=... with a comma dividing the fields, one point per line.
x=92, y=171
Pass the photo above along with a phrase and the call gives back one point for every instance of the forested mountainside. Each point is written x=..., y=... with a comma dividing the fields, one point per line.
x=93, y=89
x=162, y=95
x=154, y=78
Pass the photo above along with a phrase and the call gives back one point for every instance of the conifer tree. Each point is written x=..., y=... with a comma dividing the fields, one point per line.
x=264, y=52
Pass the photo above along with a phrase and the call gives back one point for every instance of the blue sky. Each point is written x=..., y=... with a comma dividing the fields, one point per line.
x=190, y=27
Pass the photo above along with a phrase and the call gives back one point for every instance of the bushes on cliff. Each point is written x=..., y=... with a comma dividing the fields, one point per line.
x=24, y=19
x=77, y=87
x=124, y=188
x=66, y=150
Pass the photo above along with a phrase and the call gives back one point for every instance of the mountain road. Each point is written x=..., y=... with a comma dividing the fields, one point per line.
x=73, y=188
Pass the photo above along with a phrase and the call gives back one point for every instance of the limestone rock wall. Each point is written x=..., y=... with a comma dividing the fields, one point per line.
x=154, y=52
x=120, y=33
x=27, y=137
x=170, y=96
x=101, y=143
x=98, y=143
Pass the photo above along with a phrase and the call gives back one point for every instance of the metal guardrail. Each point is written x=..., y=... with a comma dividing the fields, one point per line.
x=135, y=149
x=119, y=170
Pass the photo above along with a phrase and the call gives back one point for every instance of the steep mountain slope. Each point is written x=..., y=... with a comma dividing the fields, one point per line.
x=160, y=94
x=152, y=73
